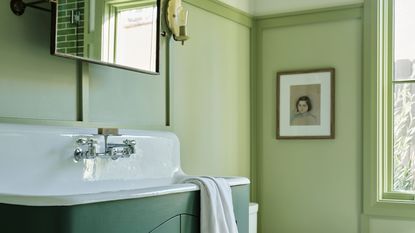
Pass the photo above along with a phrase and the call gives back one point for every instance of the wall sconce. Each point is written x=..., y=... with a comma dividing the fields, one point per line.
x=177, y=20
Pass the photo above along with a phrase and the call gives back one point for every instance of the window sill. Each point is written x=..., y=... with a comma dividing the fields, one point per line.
x=394, y=197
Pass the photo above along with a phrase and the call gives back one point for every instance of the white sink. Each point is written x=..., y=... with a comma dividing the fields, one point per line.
x=38, y=169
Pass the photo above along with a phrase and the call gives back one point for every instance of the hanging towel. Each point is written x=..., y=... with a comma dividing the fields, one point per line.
x=216, y=207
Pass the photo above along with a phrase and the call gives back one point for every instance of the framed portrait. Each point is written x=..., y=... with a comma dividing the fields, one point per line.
x=305, y=104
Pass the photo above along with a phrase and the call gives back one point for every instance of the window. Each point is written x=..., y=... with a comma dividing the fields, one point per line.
x=131, y=25
x=395, y=102
x=126, y=25
x=404, y=97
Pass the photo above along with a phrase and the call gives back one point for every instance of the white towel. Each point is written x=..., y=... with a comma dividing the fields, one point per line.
x=216, y=207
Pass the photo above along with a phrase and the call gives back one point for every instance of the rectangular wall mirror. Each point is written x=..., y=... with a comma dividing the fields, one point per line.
x=118, y=33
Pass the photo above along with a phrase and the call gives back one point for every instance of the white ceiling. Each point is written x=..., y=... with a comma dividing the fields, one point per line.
x=266, y=7
x=244, y=5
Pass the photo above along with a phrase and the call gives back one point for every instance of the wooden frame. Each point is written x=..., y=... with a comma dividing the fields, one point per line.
x=305, y=104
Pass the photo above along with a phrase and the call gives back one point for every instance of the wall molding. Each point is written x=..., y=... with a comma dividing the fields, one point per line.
x=353, y=11
x=78, y=124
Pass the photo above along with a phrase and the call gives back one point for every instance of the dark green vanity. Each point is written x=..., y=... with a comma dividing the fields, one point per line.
x=171, y=213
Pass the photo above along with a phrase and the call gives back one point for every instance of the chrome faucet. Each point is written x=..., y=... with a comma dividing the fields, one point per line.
x=87, y=147
x=89, y=153
x=115, y=151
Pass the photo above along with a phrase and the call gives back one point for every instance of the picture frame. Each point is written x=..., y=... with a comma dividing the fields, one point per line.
x=305, y=104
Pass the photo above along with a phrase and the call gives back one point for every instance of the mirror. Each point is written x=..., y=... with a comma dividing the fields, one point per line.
x=118, y=33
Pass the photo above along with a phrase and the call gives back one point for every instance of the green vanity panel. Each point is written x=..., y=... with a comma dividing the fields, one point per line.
x=160, y=214
x=189, y=223
x=171, y=226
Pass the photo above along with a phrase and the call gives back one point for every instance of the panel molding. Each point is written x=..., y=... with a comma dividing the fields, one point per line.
x=346, y=12
x=261, y=24
x=79, y=124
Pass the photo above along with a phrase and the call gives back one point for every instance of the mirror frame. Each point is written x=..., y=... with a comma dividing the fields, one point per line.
x=53, y=40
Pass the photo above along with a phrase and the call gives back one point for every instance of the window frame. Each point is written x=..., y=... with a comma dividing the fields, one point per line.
x=379, y=197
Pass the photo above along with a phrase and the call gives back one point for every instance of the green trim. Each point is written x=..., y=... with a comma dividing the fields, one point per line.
x=311, y=11
x=364, y=224
x=122, y=125
x=258, y=107
x=219, y=8
x=403, y=81
x=46, y=122
x=79, y=124
x=253, y=115
x=388, y=179
x=85, y=91
x=79, y=89
x=369, y=97
x=384, y=101
x=393, y=196
x=354, y=11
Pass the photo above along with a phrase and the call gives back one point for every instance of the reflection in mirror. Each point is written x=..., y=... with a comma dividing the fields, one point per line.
x=121, y=33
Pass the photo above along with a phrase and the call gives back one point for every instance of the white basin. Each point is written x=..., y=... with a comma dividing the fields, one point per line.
x=37, y=167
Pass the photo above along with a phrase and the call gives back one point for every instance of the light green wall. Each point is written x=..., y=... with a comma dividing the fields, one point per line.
x=210, y=99
x=33, y=84
x=126, y=97
x=209, y=91
x=311, y=186
x=303, y=186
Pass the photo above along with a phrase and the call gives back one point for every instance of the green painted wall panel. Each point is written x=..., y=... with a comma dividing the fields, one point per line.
x=211, y=95
x=126, y=97
x=33, y=84
x=210, y=88
x=311, y=186
x=389, y=225
x=209, y=100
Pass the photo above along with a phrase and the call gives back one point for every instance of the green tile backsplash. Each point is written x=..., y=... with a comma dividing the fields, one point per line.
x=70, y=33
